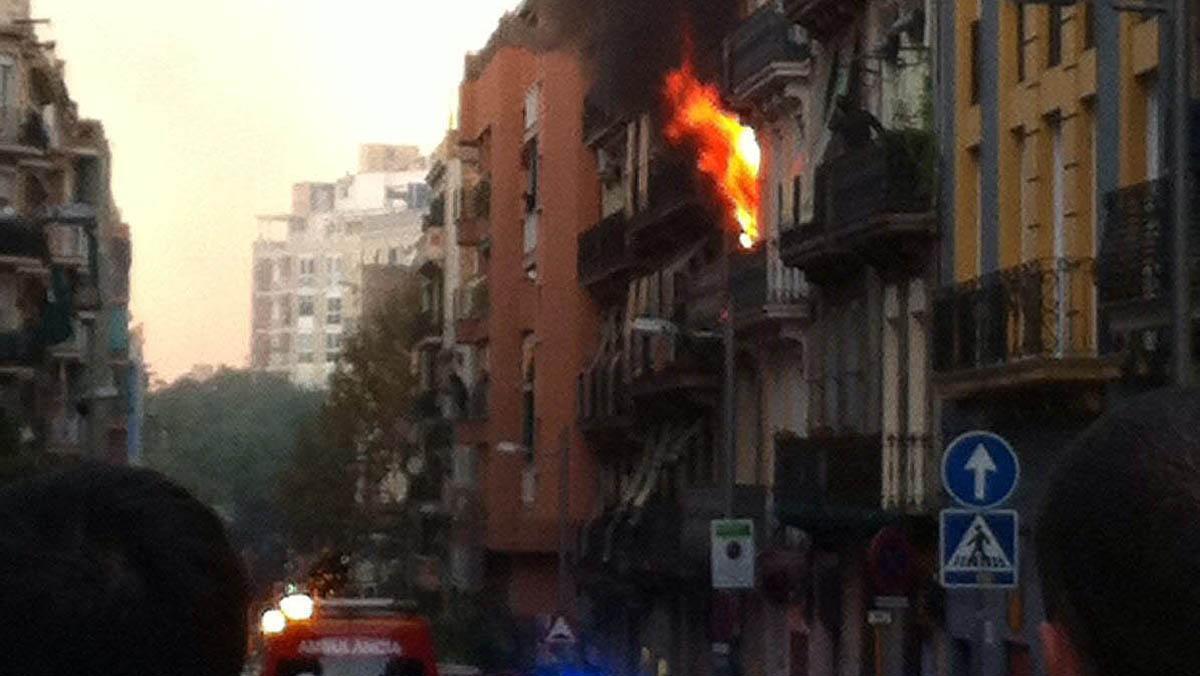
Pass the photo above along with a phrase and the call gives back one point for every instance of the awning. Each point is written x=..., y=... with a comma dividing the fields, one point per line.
x=833, y=519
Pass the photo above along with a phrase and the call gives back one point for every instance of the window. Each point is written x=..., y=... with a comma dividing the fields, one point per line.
x=1153, y=132
x=1055, y=43
x=393, y=256
x=308, y=268
x=1088, y=14
x=529, y=414
x=7, y=70
x=779, y=202
x=1020, y=43
x=333, y=311
x=307, y=306
x=329, y=265
x=1058, y=186
x=263, y=274
x=1028, y=223
x=533, y=106
x=304, y=348
x=975, y=62
x=333, y=342
x=533, y=177
x=797, y=194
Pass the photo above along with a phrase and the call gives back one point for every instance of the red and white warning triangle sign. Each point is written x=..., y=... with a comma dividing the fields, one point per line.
x=979, y=551
x=560, y=632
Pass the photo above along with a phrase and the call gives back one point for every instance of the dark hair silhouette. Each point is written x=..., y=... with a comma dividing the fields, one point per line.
x=1118, y=539
x=116, y=572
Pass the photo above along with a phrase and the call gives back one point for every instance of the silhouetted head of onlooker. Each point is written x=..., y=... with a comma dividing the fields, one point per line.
x=1118, y=544
x=108, y=571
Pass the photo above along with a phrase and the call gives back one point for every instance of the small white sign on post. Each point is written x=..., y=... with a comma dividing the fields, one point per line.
x=733, y=554
x=877, y=618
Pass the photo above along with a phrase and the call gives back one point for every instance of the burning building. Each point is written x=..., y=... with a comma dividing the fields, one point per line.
x=681, y=250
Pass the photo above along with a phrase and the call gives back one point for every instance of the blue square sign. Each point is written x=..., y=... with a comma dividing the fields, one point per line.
x=979, y=549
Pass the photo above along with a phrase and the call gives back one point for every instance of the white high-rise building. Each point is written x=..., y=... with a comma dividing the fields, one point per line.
x=308, y=275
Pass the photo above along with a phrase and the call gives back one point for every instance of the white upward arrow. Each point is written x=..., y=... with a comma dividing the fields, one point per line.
x=981, y=463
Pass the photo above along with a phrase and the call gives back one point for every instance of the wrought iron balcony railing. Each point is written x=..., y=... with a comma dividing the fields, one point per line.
x=603, y=249
x=1041, y=310
x=767, y=48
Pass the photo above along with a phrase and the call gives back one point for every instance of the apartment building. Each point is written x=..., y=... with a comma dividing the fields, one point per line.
x=65, y=374
x=309, y=281
x=1055, y=267
x=528, y=188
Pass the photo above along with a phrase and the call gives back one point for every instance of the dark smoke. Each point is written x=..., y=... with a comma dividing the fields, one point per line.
x=629, y=46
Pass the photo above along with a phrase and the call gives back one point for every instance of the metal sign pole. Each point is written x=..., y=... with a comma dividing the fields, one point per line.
x=727, y=396
x=1180, y=198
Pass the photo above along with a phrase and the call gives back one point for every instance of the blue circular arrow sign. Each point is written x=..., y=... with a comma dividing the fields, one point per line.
x=980, y=470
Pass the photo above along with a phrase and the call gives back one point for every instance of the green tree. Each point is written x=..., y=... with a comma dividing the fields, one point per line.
x=228, y=439
x=361, y=430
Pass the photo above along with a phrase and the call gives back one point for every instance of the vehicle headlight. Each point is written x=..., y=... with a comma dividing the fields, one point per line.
x=297, y=607
x=273, y=622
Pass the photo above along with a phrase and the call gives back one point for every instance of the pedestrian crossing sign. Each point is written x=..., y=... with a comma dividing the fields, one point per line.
x=979, y=549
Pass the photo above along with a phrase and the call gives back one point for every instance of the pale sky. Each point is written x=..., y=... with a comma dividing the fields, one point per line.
x=215, y=108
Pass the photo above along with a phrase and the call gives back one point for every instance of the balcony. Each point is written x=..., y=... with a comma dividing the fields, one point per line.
x=471, y=427
x=1028, y=328
x=427, y=329
x=829, y=485
x=74, y=348
x=18, y=353
x=1134, y=278
x=673, y=374
x=823, y=19
x=23, y=131
x=603, y=255
x=768, y=296
x=68, y=245
x=605, y=406
x=23, y=244
x=477, y=207
x=598, y=122
x=676, y=211
x=436, y=218
x=874, y=206
x=764, y=55
x=87, y=297
x=471, y=308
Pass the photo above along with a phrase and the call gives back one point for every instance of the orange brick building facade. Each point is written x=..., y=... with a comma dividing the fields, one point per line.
x=523, y=323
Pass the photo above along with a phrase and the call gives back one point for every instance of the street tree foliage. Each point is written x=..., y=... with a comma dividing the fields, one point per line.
x=228, y=439
x=360, y=431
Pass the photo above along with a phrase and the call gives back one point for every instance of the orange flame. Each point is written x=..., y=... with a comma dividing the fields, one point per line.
x=729, y=154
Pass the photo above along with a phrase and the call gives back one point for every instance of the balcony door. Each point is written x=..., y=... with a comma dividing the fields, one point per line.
x=1061, y=280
